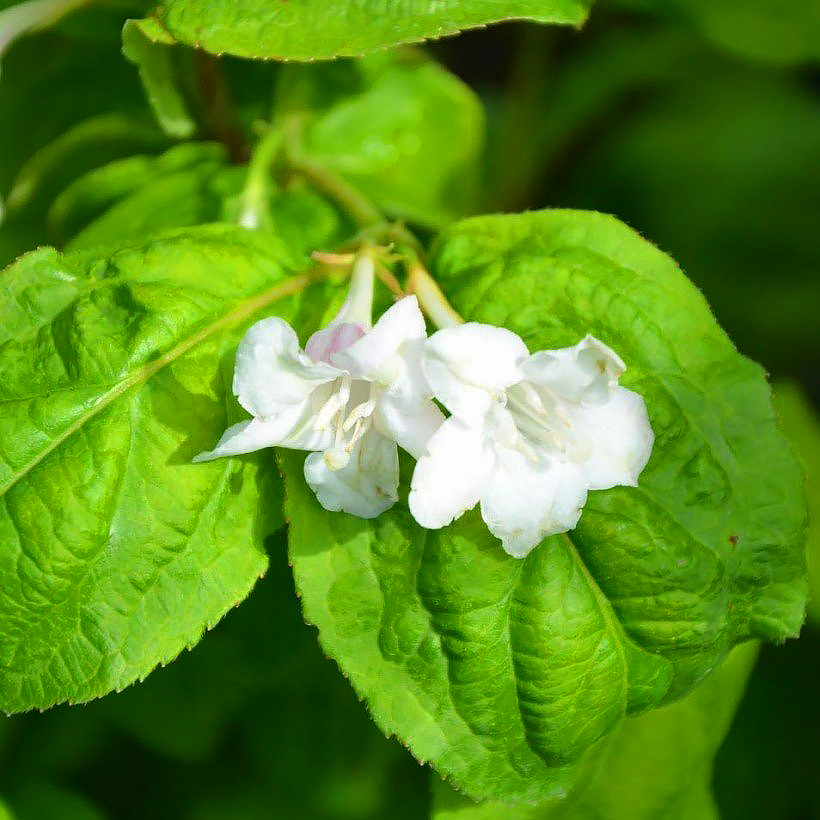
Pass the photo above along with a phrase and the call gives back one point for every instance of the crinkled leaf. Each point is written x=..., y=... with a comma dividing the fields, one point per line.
x=146, y=44
x=503, y=673
x=318, y=29
x=801, y=424
x=398, y=126
x=116, y=552
x=657, y=767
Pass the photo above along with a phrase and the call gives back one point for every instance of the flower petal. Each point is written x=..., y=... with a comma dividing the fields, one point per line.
x=326, y=342
x=450, y=477
x=411, y=425
x=368, y=357
x=271, y=372
x=525, y=501
x=584, y=372
x=618, y=438
x=366, y=486
x=467, y=364
x=293, y=428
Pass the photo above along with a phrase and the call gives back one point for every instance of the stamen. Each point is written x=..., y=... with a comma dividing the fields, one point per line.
x=359, y=412
x=334, y=404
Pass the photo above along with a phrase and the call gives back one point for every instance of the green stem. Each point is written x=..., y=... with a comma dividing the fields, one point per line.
x=361, y=210
x=431, y=299
x=254, y=201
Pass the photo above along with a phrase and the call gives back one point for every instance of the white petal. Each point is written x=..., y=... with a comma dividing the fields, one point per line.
x=525, y=501
x=368, y=356
x=617, y=439
x=291, y=428
x=584, y=372
x=411, y=425
x=366, y=486
x=467, y=365
x=450, y=477
x=272, y=372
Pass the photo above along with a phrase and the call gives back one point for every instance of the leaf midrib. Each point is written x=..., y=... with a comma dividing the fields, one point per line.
x=140, y=376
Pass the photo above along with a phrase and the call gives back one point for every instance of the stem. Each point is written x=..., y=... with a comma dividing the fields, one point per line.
x=432, y=301
x=387, y=278
x=361, y=210
x=254, y=201
x=517, y=147
x=217, y=107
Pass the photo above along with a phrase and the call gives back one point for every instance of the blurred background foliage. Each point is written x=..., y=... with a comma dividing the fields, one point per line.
x=695, y=121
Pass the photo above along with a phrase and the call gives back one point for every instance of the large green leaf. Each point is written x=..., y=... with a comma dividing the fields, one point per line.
x=658, y=766
x=317, y=29
x=504, y=673
x=801, y=424
x=115, y=551
x=399, y=127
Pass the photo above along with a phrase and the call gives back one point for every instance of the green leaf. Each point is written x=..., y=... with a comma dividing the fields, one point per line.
x=657, y=767
x=399, y=127
x=116, y=552
x=193, y=183
x=505, y=673
x=109, y=86
x=802, y=428
x=94, y=194
x=185, y=187
x=146, y=44
x=82, y=147
x=319, y=29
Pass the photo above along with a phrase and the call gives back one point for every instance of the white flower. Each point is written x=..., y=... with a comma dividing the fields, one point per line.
x=528, y=434
x=351, y=394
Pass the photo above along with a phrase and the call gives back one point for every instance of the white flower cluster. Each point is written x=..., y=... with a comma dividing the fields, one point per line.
x=527, y=436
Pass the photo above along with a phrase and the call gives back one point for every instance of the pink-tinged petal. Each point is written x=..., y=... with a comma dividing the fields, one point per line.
x=323, y=344
x=271, y=371
x=451, y=475
x=366, y=486
x=525, y=500
x=584, y=372
x=616, y=439
x=468, y=365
